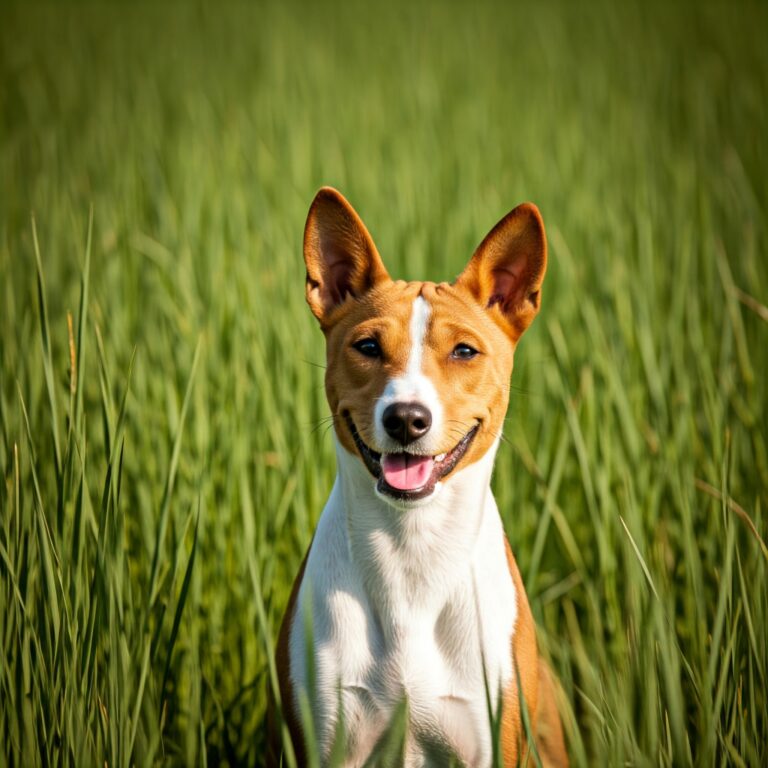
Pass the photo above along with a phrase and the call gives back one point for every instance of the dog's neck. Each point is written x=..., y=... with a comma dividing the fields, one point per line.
x=409, y=559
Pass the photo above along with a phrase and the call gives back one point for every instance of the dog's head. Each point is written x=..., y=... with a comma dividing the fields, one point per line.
x=418, y=373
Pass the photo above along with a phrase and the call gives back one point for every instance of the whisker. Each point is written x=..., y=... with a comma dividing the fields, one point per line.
x=327, y=430
x=328, y=422
x=501, y=436
x=315, y=365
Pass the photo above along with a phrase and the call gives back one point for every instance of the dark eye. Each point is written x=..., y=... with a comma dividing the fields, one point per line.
x=368, y=347
x=463, y=352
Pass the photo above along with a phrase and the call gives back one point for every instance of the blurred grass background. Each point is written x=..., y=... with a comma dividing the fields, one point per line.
x=161, y=449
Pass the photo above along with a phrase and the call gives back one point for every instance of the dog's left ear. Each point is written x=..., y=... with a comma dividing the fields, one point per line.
x=340, y=255
x=507, y=269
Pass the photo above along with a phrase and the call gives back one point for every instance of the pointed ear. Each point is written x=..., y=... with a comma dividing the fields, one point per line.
x=507, y=269
x=339, y=253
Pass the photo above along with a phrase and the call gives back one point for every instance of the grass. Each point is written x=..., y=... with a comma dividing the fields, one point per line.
x=162, y=449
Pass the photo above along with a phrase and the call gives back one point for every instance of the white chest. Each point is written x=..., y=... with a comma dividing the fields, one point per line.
x=392, y=624
x=432, y=662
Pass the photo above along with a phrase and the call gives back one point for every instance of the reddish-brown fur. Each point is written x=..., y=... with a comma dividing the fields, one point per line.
x=537, y=686
x=283, y=665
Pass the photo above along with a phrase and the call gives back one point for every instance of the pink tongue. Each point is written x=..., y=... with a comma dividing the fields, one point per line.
x=406, y=472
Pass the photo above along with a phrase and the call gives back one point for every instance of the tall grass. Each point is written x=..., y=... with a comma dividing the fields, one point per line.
x=162, y=445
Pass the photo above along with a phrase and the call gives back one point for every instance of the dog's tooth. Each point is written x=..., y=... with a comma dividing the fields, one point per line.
x=440, y=457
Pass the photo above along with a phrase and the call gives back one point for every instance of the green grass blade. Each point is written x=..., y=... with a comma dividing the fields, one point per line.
x=45, y=343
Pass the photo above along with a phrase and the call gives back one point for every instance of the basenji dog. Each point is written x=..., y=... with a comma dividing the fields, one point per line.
x=410, y=586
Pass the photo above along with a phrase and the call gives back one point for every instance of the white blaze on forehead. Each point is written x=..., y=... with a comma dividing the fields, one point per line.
x=412, y=386
x=419, y=318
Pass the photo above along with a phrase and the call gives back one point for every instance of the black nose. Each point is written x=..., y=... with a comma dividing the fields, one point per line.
x=406, y=422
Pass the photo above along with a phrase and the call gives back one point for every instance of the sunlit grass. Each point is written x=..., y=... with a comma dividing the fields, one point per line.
x=162, y=444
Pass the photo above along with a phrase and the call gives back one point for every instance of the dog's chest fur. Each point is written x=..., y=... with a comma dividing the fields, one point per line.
x=408, y=608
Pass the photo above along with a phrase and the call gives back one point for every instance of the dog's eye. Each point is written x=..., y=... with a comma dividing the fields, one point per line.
x=463, y=352
x=368, y=347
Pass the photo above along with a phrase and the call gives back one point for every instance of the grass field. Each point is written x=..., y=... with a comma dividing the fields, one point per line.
x=162, y=449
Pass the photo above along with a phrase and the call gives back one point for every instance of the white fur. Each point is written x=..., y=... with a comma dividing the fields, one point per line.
x=407, y=602
x=412, y=386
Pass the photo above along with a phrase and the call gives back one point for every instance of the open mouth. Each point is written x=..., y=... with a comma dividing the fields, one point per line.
x=408, y=476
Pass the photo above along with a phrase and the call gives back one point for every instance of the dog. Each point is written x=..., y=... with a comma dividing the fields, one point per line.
x=409, y=590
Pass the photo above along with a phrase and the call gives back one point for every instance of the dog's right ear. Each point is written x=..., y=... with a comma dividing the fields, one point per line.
x=339, y=253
